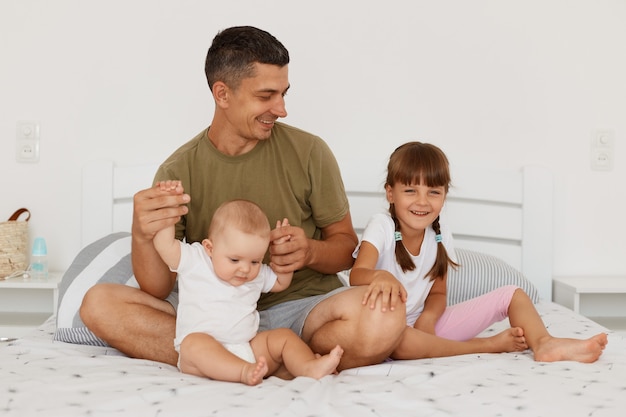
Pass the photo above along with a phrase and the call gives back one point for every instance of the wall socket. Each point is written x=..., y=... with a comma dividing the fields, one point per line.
x=27, y=141
x=602, y=149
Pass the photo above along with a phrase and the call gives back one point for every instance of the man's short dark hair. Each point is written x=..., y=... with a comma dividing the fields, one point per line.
x=235, y=50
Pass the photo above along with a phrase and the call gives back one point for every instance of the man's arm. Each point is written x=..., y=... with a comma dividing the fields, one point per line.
x=154, y=210
x=330, y=255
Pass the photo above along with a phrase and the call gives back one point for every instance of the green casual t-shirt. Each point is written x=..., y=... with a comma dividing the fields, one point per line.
x=292, y=174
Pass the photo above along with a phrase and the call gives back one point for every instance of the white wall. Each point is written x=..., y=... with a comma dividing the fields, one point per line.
x=496, y=83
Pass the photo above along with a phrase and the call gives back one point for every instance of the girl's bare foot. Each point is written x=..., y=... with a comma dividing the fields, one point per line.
x=324, y=365
x=552, y=349
x=509, y=340
x=253, y=373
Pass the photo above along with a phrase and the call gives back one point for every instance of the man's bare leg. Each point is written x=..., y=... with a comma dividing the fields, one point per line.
x=367, y=336
x=132, y=321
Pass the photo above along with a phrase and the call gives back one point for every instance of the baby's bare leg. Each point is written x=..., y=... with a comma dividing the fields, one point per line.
x=283, y=346
x=202, y=355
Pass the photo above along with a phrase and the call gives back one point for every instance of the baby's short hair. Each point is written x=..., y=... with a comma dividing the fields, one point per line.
x=244, y=215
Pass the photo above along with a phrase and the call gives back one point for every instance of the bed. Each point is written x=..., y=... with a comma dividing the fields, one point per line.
x=502, y=222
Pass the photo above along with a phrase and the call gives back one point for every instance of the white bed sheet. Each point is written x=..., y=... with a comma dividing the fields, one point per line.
x=40, y=377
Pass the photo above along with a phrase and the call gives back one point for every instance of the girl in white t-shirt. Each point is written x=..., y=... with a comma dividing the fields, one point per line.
x=404, y=257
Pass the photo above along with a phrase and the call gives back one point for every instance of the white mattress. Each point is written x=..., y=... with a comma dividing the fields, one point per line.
x=40, y=377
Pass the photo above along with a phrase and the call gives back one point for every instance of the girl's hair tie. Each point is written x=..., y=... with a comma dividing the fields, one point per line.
x=438, y=238
x=397, y=236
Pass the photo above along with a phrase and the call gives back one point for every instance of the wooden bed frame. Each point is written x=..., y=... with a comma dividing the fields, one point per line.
x=505, y=213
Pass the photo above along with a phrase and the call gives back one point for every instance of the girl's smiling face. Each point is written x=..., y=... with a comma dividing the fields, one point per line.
x=416, y=205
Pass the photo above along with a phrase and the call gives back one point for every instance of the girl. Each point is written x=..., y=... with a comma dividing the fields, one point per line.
x=404, y=258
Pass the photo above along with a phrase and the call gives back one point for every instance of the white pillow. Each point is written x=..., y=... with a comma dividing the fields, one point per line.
x=105, y=260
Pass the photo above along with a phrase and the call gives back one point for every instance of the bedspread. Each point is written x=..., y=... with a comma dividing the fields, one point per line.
x=41, y=377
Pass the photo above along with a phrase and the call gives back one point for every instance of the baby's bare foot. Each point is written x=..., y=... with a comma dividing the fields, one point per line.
x=324, y=365
x=253, y=373
x=554, y=349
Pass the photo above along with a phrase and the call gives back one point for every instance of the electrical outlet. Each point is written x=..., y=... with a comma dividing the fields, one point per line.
x=27, y=141
x=602, y=149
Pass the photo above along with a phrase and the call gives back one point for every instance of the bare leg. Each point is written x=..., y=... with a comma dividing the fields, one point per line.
x=509, y=340
x=283, y=346
x=368, y=336
x=545, y=347
x=202, y=355
x=132, y=321
x=417, y=344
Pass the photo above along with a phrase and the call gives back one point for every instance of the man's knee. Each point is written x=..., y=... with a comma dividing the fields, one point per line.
x=381, y=332
x=95, y=302
x=375, y=337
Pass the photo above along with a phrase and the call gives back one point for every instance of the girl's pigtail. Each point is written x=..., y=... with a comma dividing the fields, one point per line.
x=440, y=268
x=402, y=255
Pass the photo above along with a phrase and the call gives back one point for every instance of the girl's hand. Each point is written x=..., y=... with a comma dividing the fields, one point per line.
x=388, y=288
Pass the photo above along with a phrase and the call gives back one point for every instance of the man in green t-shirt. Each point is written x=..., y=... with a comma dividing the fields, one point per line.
x=245, y=153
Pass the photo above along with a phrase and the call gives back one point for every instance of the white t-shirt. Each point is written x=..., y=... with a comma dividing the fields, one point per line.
x=380, y=233
x=209, y=305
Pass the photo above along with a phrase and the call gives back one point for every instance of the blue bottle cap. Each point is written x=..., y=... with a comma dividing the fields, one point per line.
x=39, y=247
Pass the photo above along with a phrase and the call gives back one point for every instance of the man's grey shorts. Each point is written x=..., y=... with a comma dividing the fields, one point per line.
x=173, y=298
x=292, y=314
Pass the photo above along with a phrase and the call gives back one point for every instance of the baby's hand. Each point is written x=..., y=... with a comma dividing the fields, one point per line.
x=170, y=186
x=285, y=238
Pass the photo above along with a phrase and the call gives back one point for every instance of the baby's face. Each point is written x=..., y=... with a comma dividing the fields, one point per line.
x=237, y=256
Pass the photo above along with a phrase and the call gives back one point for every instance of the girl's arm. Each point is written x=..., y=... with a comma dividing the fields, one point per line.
x=380, y=283
x=434, y=306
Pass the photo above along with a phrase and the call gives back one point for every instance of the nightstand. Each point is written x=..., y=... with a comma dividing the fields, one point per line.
x=27, y=303
x=600, y=298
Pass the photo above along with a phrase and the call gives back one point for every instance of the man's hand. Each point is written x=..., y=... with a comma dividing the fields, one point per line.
x=155, y=209
x=289, y=250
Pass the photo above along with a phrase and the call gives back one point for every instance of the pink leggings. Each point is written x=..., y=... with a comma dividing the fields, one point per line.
x=464, y=321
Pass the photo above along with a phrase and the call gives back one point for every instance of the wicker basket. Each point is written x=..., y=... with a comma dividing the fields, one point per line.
x=14, y=243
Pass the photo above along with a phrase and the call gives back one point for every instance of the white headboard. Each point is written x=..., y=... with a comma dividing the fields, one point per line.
x=505, y=213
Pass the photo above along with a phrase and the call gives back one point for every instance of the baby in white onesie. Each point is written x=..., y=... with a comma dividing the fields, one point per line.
x=220, y=280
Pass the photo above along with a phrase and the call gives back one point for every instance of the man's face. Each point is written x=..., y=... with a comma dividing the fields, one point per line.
x=258, y=102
